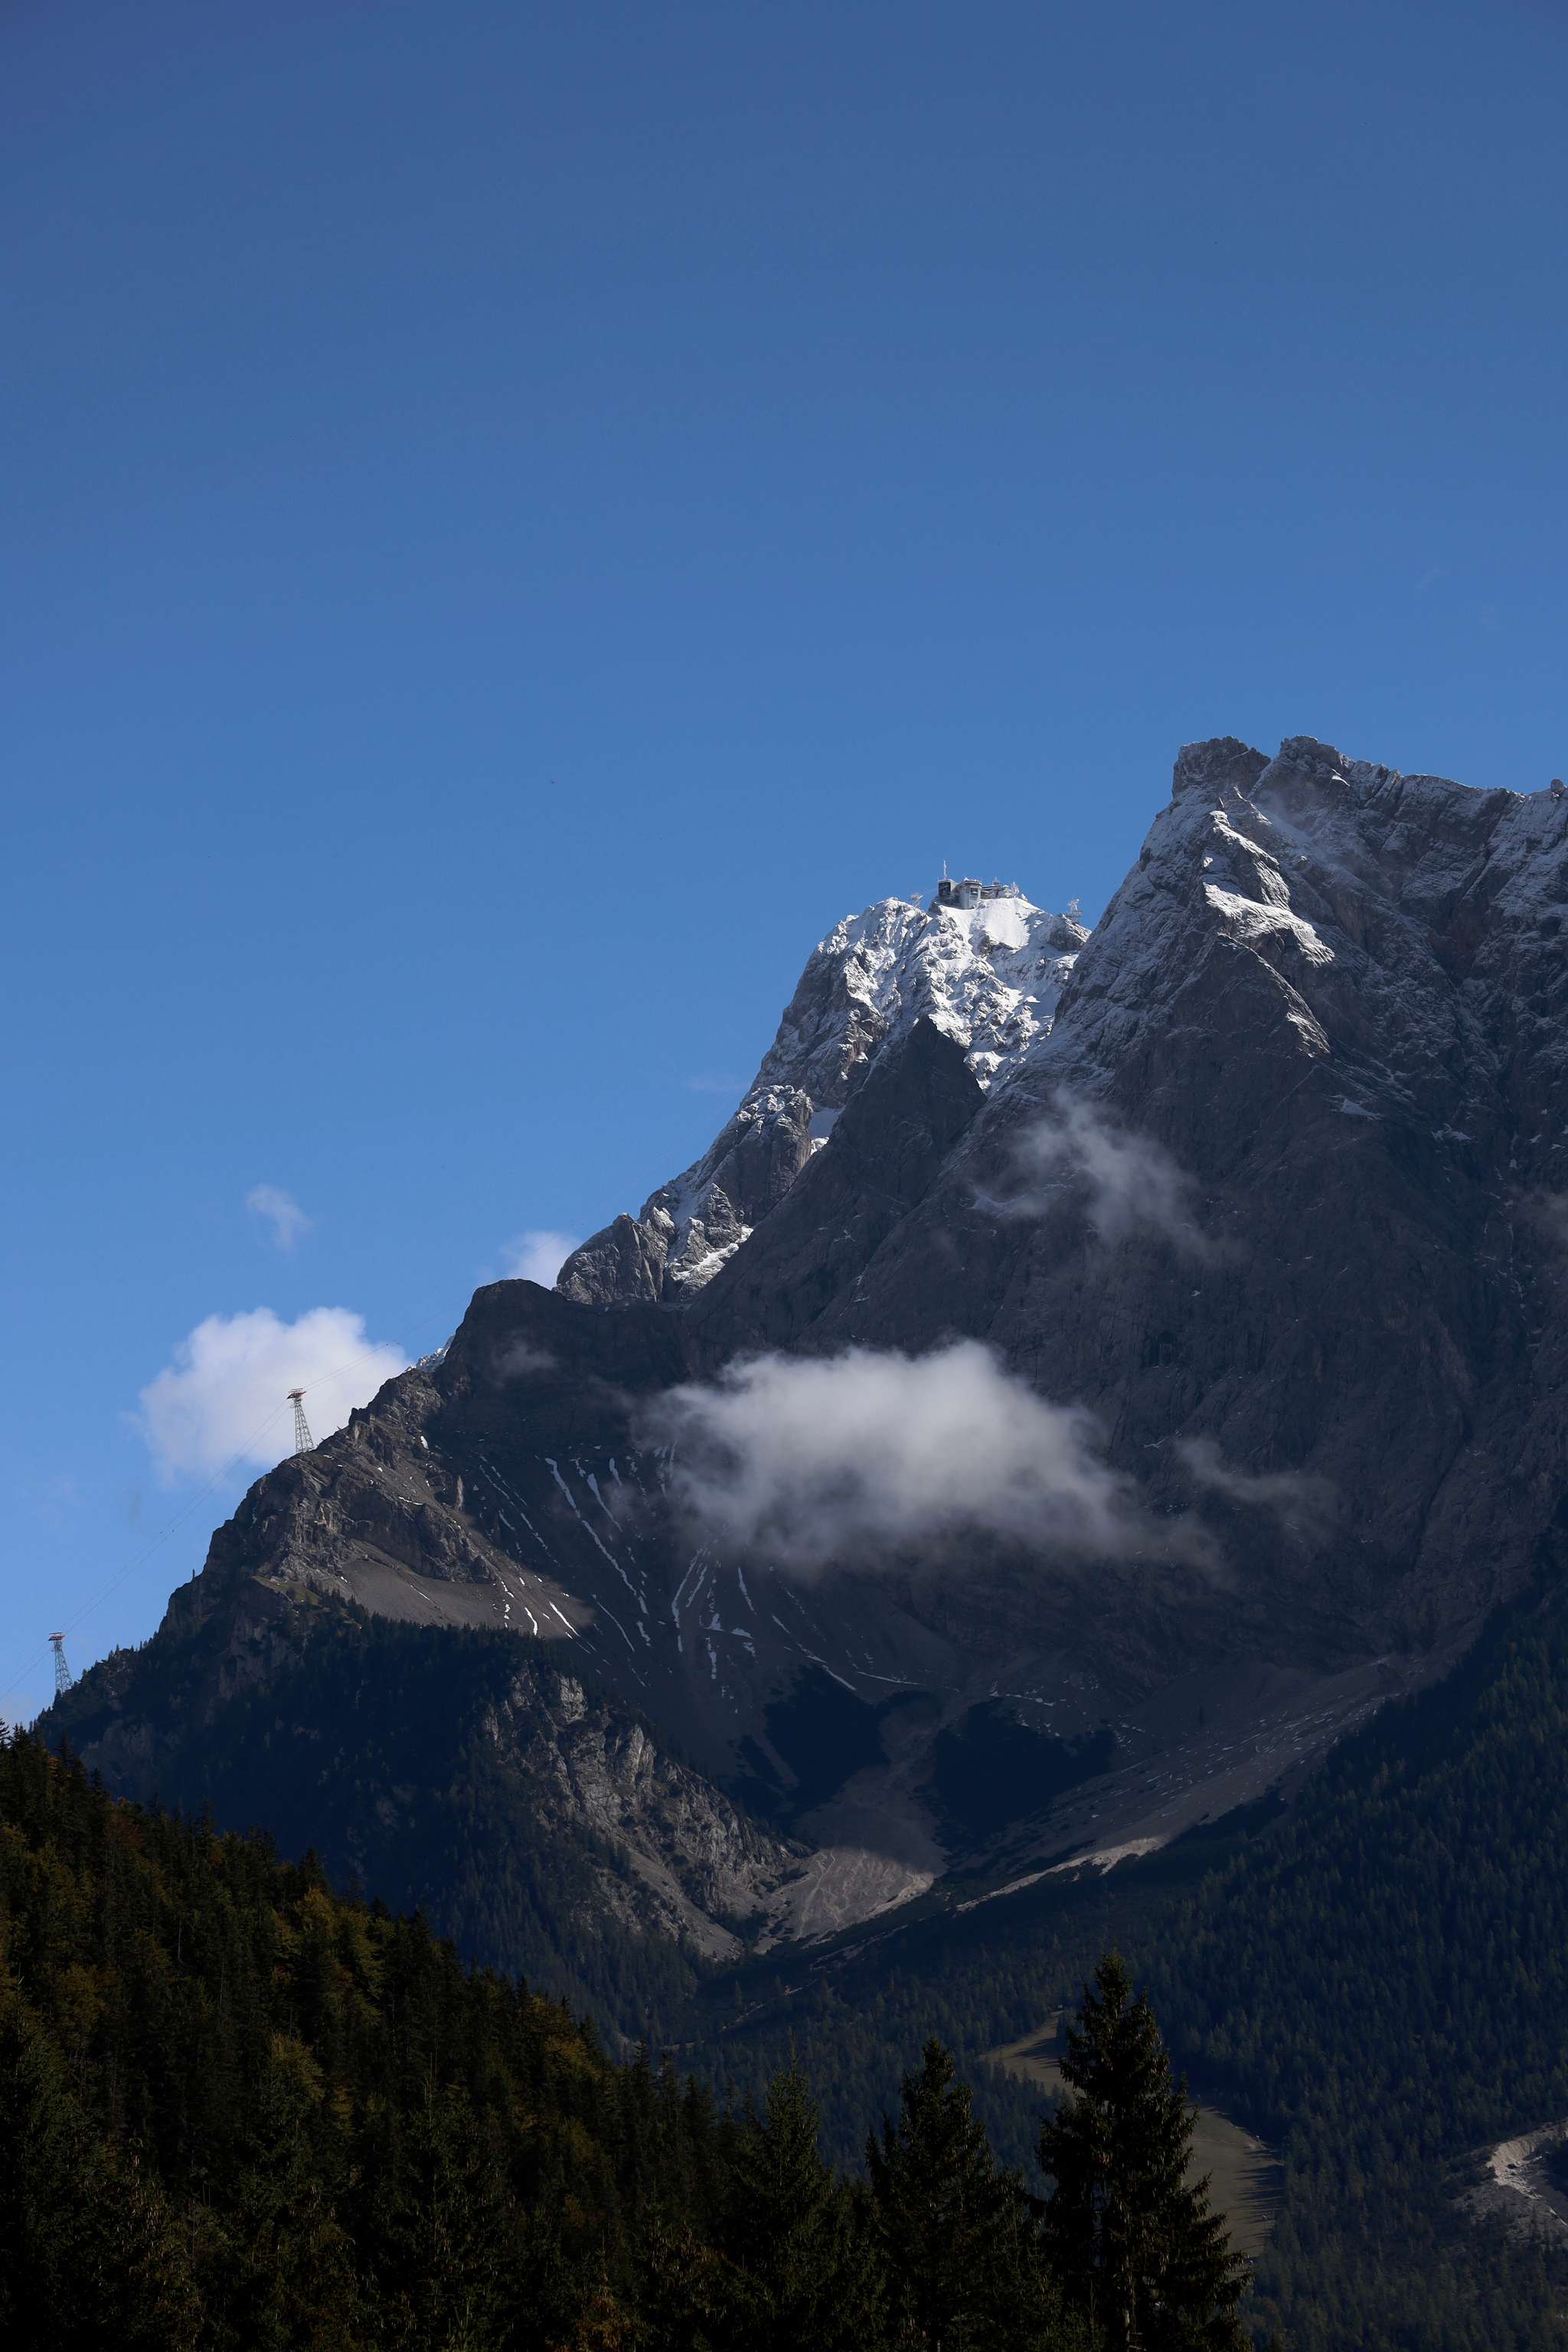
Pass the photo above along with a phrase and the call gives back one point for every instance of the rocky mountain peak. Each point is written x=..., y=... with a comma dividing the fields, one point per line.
x=1224, y=760
x=980, y=961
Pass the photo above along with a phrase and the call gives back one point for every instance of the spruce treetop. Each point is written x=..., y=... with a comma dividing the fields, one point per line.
x=1134, y=2244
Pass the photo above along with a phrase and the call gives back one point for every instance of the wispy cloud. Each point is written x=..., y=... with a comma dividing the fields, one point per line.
x=225, y=1392
x=814, y=1461
x=1125, y=1179
x=537, y=1257
x=1551, y=1210
x=56, y=1500
x=282, y=1212
x=1304, y=1503
x=717, y=1082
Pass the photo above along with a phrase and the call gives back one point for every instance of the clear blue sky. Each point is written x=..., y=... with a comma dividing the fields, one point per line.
x=513, y=520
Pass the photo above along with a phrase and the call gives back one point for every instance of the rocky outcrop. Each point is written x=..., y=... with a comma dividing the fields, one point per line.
x=889, y=1148
x=689, y=1228
x=988, y=975
x=702, y=1868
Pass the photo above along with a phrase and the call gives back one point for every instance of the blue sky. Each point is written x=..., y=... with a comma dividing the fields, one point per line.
x=512, y=520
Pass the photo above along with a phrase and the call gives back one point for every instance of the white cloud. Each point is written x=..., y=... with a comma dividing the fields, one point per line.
x=232, y=1375
x=717, y=1082
x=813, y=1459
x=287, y=1218
x=1130, y=1179
x=1550, y=1208
x=538, y=1258
x=1303, y=1502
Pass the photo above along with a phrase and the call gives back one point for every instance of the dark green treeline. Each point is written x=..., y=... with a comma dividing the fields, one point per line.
x=239, y=2109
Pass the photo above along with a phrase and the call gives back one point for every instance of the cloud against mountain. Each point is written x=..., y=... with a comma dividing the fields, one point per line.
x=813, y=1461
x=1304, y=1504
x=538, y=1256
x=225, y=1392
x=1129, y=1179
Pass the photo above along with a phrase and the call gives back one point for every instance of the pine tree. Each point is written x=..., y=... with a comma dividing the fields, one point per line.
x=683, y=2305
x=956, y=2236
x=90, y=2252
x=801, y=2272
x=281, y=2269
x=440, y=2245
x=1134, y=2245
x=603, y=2324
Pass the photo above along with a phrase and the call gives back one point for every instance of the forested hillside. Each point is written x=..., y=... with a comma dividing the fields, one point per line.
x=240, y=2110
x=375, y=1744
x=225, y=2085
x=1382, y=1983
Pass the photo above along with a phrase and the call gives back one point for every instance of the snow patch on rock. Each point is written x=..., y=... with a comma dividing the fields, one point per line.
x=989, y=976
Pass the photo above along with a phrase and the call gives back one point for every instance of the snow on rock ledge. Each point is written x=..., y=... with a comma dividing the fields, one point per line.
x=989, y=974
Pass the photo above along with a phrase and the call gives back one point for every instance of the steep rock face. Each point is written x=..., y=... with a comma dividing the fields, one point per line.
x=1330, y=999
x=268, y=1700
x=702, y=1867
x=691, y=1227
x=888, y=1151
x=986, y=974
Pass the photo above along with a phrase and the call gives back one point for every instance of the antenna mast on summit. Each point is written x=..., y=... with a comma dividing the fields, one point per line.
x=62, y=1672
x=302, y=1438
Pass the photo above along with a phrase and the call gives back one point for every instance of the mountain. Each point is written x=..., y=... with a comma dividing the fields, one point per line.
x=985, y=966
x=1088, y=1374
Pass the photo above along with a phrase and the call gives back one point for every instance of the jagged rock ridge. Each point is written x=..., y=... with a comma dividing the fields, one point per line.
x=985, y=966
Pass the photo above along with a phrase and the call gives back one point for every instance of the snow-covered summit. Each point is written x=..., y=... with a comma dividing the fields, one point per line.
x=980, y=961
x=988, y=974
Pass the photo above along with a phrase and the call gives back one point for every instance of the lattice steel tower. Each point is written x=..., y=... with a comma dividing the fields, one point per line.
x=302, y=1438
x=62, y=1672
